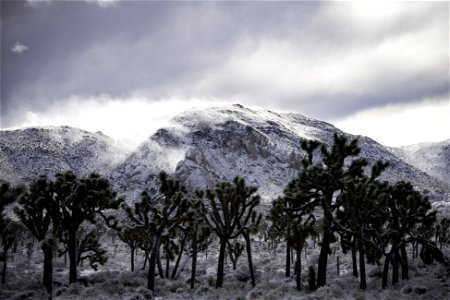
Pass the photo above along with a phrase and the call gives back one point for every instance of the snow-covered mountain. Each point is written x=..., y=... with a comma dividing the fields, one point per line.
x=200, y=147
x=432, y=158
x=30, y=152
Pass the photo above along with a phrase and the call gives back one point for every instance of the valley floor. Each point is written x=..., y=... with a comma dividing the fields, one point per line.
x=115, y=281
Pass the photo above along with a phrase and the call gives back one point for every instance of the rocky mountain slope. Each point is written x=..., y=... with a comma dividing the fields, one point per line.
x=432, y=158
x=201, y=147
x=30, y=152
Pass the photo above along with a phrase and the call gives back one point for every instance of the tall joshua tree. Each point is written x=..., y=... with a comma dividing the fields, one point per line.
x=199, y=233
x=38, y=211
x=131, y=237
x=407, y=210
x=8, y=194
x=10, y=235
x=362, y=215
x=8, y=228
x=325, y=174
x=230, y=211
x=82, y=200
x=160, y=216
x=292, y=217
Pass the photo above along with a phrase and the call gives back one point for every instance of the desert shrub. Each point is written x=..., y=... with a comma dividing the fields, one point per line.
x=175, y=285
x=360, y=296
x=336, y=291
x=147, y=294
x=129, y=279
x=211, y=281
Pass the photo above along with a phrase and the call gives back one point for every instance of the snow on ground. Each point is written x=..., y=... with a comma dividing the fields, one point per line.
x=115, y=281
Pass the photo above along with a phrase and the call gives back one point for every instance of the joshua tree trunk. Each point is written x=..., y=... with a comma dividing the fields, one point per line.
x=395, y=262
x=132, y=258
x=175, y=268
x=354, y=263
x=167, y=265
x=152, y=264
x=299, y=269
x=405, y=275
x=48, y=267
x=337, y=266
x=219, y=282
x=249, y=256
x=194, y=259
x=288, y=259
x=362, y=263
x=323, y=258
x=146, y=254
x=72, y=245
x=387, y=261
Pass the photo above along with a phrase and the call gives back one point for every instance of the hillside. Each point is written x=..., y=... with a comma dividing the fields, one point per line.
x=200, y=147
x=30, y=152
x=432, y=158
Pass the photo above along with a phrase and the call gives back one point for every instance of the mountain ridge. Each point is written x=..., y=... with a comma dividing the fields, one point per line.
x=199, y=147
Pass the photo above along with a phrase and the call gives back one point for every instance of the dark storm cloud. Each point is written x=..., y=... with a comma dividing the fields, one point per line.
x=324, y=59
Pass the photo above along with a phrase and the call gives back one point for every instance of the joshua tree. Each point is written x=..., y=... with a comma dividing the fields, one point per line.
x=38, y=211
x=280, y=217
x=361, y=217
x=407, y=210
x=80, y=201
x=88, y=246
x=322, y=180
x=132, y=237
x=160, y=217
x=235, y=251
x=10, y=235
x=230, y=211
x=8, y=194
x=199, y=233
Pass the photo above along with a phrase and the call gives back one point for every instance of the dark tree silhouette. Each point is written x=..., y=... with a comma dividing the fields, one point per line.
x=38, y=211
x=199, y=233
x=88, y=246
x=160, y=216
x=8, y=194
x=132, y=237
x=407, y=210
x=325, y=176
x=82, y=200
x=10, y=236
x=230, y=212
x=362, y=215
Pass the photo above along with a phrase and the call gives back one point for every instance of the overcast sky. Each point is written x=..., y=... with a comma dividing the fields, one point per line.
x=375, y=68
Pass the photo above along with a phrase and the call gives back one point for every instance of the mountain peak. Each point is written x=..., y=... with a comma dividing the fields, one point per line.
x=200, y=147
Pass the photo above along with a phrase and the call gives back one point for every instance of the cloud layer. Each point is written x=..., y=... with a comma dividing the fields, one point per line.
x=328, y=60
x=402, y=124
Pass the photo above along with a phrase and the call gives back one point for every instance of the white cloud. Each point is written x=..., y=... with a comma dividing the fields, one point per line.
x=274, y=69
x=19, y=48
x=37, y=3
x=128, y=121
x=402, y=124
x=103, y=3
x=131, y=120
